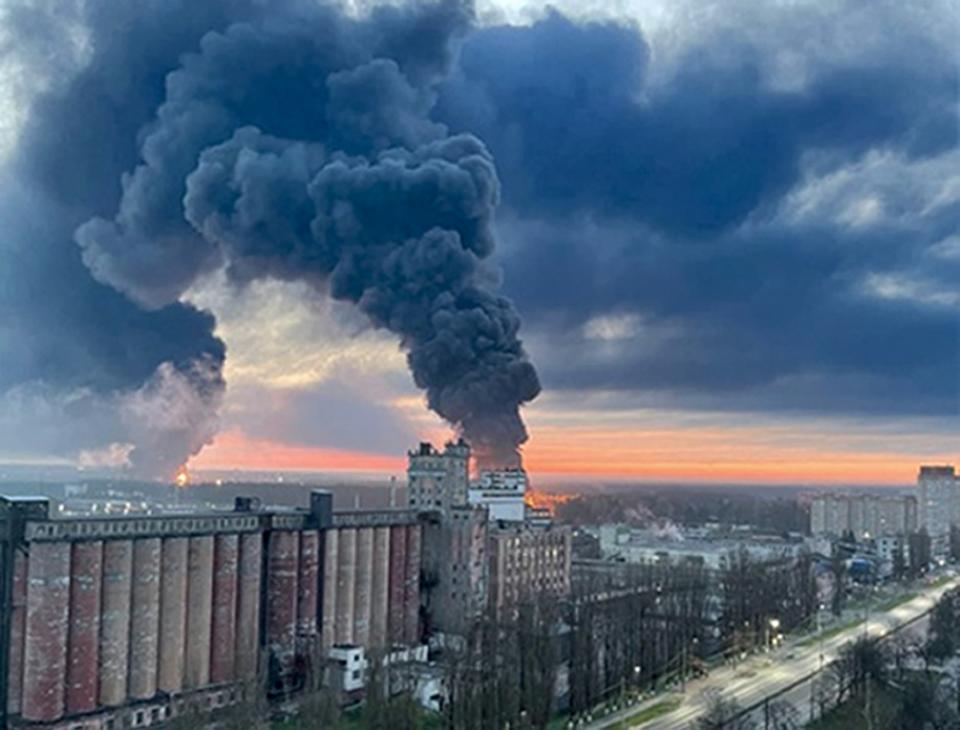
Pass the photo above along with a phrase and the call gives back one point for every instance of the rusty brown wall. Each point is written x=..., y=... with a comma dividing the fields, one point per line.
x=173, y=613
x=248, y=605
x=18, y=617
x=196, y=671
x=330, y=550
x=45, y=644
x=346, y=580
x=363, y=588
x=83, y=645
x=396, y=615
x=380, y=587
x=115, y=621
x=224, y=630
x=411, y=599
x=145, y=617
x=308, y=585
x=282, y=559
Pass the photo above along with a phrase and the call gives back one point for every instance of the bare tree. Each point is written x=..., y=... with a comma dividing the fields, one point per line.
x=781, y=715
x=722, y=713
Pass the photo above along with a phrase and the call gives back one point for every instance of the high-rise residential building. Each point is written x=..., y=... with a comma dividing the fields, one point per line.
x=438, y=480
x=503, y=492
x=938, y=498
x=867, y=516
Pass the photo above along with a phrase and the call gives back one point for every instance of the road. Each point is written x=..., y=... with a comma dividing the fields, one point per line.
x=765, y=675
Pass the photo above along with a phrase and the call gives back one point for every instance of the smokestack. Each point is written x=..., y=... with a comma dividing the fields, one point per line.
x=300, y=147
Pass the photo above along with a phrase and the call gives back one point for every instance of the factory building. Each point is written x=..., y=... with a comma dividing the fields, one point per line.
x=503, y=492
x=527, y=562
x=483, y=547
x=124, y=621
x=455, y=568
x=438, y=480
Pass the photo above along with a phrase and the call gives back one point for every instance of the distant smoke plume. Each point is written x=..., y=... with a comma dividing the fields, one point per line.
x=298, y=145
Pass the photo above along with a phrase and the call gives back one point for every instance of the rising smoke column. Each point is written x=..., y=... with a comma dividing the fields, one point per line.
x=300, y=147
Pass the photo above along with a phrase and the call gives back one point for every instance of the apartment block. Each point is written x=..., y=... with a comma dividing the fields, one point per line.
x=938, y=498
x=866, y=516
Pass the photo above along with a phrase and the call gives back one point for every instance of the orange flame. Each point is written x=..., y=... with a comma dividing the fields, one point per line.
x=545, y=500
x=182, y=479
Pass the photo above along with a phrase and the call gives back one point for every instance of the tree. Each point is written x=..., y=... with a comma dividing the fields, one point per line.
x=920, y=551
x=722, y=714
x=955, y=542
x=862, y=661
x=781, y=715
x=838, y=568
x=944, y=635
x=319, y=709
x=187, y=718
x=899, y=563
x=926, y=702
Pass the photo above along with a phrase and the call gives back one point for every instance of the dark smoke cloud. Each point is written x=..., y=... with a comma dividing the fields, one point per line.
x=83, y=369
x=292, y=148
x=658, y=191
x=577, y=123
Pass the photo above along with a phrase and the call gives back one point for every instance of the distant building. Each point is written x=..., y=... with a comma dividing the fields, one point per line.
x=630, y=545
x=866, y=516
x=938, y=497
x=483, y=546
x=438, y=480
x=528, y=562
x=503, y=493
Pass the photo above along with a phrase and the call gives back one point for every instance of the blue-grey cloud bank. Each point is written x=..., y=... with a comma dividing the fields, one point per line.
x=774, y=238
x=760, y=215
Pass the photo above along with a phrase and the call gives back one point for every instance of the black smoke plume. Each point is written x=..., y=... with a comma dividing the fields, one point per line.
x=299, y=146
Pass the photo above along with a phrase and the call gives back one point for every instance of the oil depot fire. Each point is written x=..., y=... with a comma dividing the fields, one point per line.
x=182, y=478
x=546, y=501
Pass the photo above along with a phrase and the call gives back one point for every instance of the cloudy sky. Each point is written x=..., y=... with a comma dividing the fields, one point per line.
x=730, y=230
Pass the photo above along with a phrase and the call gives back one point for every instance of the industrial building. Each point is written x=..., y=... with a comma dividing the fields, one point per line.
x=438, y=480
x=124, y=621
x=528, y=561
x=484, y=547
x=503, y=492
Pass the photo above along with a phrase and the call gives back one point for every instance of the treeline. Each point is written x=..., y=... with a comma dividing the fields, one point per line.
x=776, y=515
x=900, y=685
x=506, y=673
x=764, y=598
x=636, y=629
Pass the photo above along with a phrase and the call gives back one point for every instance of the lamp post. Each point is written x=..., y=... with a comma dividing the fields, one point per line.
x=775, y=625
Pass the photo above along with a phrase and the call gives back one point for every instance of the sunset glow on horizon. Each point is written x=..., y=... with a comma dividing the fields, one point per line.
x=700, y=456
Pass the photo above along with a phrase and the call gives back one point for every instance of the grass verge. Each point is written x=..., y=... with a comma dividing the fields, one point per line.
x=647, y=714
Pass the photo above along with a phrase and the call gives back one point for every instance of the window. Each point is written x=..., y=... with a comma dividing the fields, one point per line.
x=138, y=718
x=356, y=674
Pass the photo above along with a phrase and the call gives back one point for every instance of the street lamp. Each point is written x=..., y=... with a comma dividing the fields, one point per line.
x=774, y=624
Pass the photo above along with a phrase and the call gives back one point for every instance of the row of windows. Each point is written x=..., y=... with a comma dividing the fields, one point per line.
x=138, y=527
